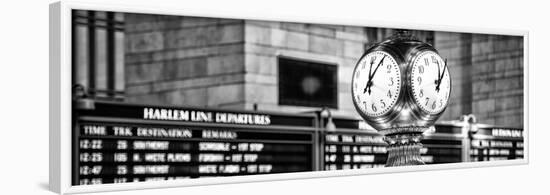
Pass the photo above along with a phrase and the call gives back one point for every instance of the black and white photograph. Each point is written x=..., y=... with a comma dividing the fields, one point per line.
x=176, y=97
x=244, y=97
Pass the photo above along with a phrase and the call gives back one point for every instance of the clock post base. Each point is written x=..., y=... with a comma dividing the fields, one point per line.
x=404, y=150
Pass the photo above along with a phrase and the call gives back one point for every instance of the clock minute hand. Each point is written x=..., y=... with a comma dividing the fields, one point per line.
x=369, y=83
x=444, y=68
x=438, y=74
x=377, y=66
x=441, y=76
x=438, y=71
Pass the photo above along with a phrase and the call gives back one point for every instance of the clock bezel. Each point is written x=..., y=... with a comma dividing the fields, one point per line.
x=383, y=120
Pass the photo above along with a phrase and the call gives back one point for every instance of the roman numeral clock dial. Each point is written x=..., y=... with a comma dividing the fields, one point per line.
x=430, y=82
x=376, y=83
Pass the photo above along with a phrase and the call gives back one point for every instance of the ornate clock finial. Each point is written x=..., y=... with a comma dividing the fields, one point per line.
x=407, y=96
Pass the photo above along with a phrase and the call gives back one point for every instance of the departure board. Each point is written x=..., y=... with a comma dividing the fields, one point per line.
x=117, y=143
x=352, y=145
x=454, y=142
x=496, y=143
x=353, y=150
x=443, y=145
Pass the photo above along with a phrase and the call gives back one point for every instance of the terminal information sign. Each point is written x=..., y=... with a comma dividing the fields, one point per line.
x=353, y=150
x=118, y=142
x=124, y=148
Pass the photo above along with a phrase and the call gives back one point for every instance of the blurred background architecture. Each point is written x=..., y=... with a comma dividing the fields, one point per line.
x=275, y=66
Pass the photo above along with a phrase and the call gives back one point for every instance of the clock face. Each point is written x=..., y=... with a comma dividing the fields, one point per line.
x=376, y=83
x=430, y=82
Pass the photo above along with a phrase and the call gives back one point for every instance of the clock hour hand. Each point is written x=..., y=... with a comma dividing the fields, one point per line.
x=370, y=76
x=372, y=59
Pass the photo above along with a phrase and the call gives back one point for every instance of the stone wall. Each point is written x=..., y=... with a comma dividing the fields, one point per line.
x=457, y=49
x=207, y=62
x=186, y=61
x=265, y=41
x=487, y=76
x=497, y=85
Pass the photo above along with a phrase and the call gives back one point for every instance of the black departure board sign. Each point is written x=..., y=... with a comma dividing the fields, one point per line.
x=496, y=143
x=444, y=145
x=117, y=143
x=437, y=150
x=352, y=145
x=353, y=149
x=455, y=142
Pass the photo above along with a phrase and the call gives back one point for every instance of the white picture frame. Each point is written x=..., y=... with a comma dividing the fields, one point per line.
x=60, y=99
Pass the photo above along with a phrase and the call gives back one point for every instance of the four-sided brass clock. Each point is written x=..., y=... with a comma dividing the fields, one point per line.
x=400, y=87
